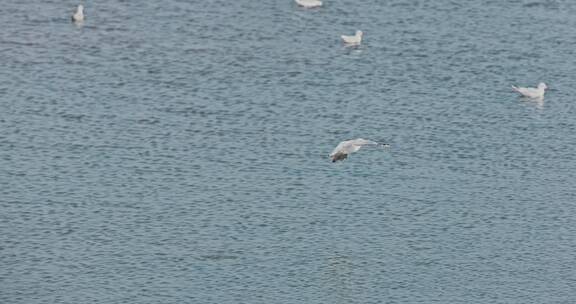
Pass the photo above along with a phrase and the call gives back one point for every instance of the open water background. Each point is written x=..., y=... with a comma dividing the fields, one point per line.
x=177, y=152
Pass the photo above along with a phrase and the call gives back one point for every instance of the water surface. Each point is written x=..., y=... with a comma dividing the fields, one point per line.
x=177, y=152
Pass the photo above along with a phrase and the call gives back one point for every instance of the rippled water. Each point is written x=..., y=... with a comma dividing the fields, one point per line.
x=177, y=152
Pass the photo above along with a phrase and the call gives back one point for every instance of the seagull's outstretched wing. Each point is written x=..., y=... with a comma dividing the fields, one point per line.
x=356, y=144
x=350, y=146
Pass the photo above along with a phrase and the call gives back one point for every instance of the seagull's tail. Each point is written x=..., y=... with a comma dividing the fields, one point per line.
x=515, y=88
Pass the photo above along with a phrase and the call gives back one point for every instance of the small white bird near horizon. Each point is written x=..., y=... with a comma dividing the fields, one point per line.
x=353, y=40
x=79, y=15
x=536, y=93
x=309, y=3
x=350, y=146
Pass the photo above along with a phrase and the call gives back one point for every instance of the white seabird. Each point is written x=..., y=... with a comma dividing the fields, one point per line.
x=353, y=40
x=79, y=15
x=350, y=146
x=309, y=3
x=536, y=93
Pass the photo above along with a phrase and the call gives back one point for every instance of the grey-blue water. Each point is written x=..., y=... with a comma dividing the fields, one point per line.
x=177, y=152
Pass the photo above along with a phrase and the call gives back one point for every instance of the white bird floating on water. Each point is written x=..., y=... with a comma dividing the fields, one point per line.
x=79, y=15
x=309, y=3
x=536, y=93
x=353, y=40
x=350, y=146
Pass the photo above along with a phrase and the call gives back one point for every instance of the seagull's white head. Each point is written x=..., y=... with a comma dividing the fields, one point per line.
x=80, y=9
x=359, y=33
x=542, y=86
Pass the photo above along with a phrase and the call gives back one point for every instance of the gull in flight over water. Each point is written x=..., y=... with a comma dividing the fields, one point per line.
x=350, y=146
x=79, y=15
x=537, y=93
x=309, y=3
x=353, y=40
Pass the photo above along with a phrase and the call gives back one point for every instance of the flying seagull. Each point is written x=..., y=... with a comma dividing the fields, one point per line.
x=309, y=3
x=350, y=146
x=79, y=15
x=353, y=40
x=532, y=92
